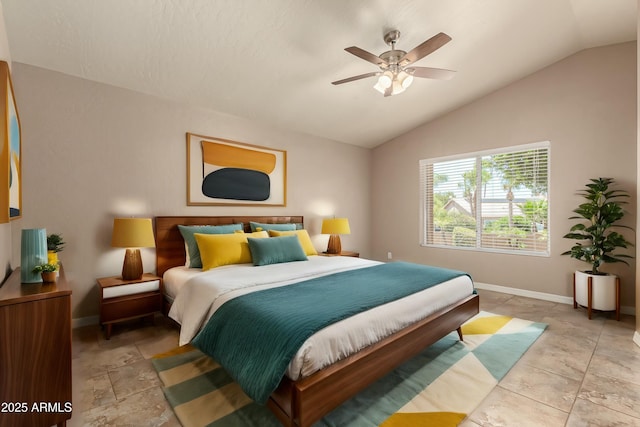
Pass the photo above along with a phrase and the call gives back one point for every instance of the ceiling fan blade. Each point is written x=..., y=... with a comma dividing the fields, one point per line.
x=388, y=91
x=367, y=56
x=350, y=79
x=431, y=73
x=424, y=49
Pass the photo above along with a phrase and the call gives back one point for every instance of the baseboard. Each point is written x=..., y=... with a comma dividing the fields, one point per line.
x=524, y=293
x=636, y=338
x=84, y=321
x=541, y=296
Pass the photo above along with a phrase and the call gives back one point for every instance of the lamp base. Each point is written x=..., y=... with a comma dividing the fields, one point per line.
x=132, y=266
x=334, y=246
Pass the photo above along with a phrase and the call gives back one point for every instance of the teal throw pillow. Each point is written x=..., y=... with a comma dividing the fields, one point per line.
x=266, y=227
x=275, y=250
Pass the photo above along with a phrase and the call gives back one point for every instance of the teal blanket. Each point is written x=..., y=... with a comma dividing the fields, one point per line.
x=255, y=336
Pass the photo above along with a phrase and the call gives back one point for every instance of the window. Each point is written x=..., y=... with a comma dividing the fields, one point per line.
x=491, y=201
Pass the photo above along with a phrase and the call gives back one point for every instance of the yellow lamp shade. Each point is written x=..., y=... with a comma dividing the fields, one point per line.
x=132, y=233
x=336, y=226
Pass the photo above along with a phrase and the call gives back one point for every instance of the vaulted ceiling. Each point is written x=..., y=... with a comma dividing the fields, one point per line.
x=274, y=61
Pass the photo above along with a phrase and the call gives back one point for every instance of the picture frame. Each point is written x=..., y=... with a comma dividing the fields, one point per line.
x=222, y=172
x=11, y=154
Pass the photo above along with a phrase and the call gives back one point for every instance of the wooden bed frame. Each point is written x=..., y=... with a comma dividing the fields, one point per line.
x=303, y=402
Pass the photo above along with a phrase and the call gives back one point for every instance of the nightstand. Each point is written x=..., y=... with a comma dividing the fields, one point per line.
x=343, y=253
x=122, y=300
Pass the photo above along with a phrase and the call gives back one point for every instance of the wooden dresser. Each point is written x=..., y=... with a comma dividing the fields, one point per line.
x=35, y=352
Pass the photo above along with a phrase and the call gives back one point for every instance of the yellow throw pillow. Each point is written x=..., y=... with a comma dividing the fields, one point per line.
x=225, y=249
x=303, y=236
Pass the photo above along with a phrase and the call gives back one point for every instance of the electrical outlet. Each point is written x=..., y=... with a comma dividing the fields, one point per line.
x=389, y=255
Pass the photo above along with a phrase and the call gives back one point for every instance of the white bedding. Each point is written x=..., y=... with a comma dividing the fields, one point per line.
x=198, y=294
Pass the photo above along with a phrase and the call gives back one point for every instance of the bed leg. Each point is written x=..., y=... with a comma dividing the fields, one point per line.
x=459, y=330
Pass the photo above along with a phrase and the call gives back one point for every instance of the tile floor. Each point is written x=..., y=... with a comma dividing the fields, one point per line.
x=580, y=372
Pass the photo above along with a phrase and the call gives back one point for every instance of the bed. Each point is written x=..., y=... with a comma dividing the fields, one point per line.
x=306, y=398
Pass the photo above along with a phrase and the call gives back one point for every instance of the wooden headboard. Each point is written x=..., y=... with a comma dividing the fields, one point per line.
x=170, y=245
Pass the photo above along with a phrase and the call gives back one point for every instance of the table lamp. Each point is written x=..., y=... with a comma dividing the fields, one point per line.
x=335, y=227
x=132, y=233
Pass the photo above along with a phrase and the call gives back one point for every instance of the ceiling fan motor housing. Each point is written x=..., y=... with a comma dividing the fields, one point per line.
x=392, y=57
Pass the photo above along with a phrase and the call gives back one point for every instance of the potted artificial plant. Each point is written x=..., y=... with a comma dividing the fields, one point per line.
x=54, y=245
x=597, y=244
x=47, y=271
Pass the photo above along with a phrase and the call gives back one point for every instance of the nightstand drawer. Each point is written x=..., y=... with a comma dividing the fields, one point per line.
x=130, y=306
x=134, y=288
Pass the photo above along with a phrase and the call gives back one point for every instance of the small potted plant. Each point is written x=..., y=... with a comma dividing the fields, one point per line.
x=597, y=242
x=55, y=244
x=48, y=271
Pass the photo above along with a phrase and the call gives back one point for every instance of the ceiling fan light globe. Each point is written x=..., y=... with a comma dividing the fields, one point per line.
x=397, y=87
x=379, y=88
x=385, y=80
x=405, y=79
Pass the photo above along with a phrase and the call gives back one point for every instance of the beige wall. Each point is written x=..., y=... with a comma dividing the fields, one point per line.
x=585, y=105
x=92, y=152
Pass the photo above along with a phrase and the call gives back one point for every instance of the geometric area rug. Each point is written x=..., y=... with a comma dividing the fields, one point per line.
x=438, y=387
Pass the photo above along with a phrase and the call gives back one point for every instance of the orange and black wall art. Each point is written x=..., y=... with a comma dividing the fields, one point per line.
x=229, y=172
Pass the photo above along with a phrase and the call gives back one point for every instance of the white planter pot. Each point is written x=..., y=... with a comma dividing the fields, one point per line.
x=604, y=291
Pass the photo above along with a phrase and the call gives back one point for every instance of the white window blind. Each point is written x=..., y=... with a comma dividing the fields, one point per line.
x=493, y=201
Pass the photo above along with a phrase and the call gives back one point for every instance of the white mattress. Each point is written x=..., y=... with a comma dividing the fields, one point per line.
x=198, y=294
x=174, y=279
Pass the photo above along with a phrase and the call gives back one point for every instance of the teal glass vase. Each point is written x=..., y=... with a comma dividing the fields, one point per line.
x=33, y=251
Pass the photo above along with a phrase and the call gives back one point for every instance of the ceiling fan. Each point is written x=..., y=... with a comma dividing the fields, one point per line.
x=395, y=73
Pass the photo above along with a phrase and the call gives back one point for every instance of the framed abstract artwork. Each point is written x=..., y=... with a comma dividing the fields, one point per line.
x=224, y=172
x=11, y=155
